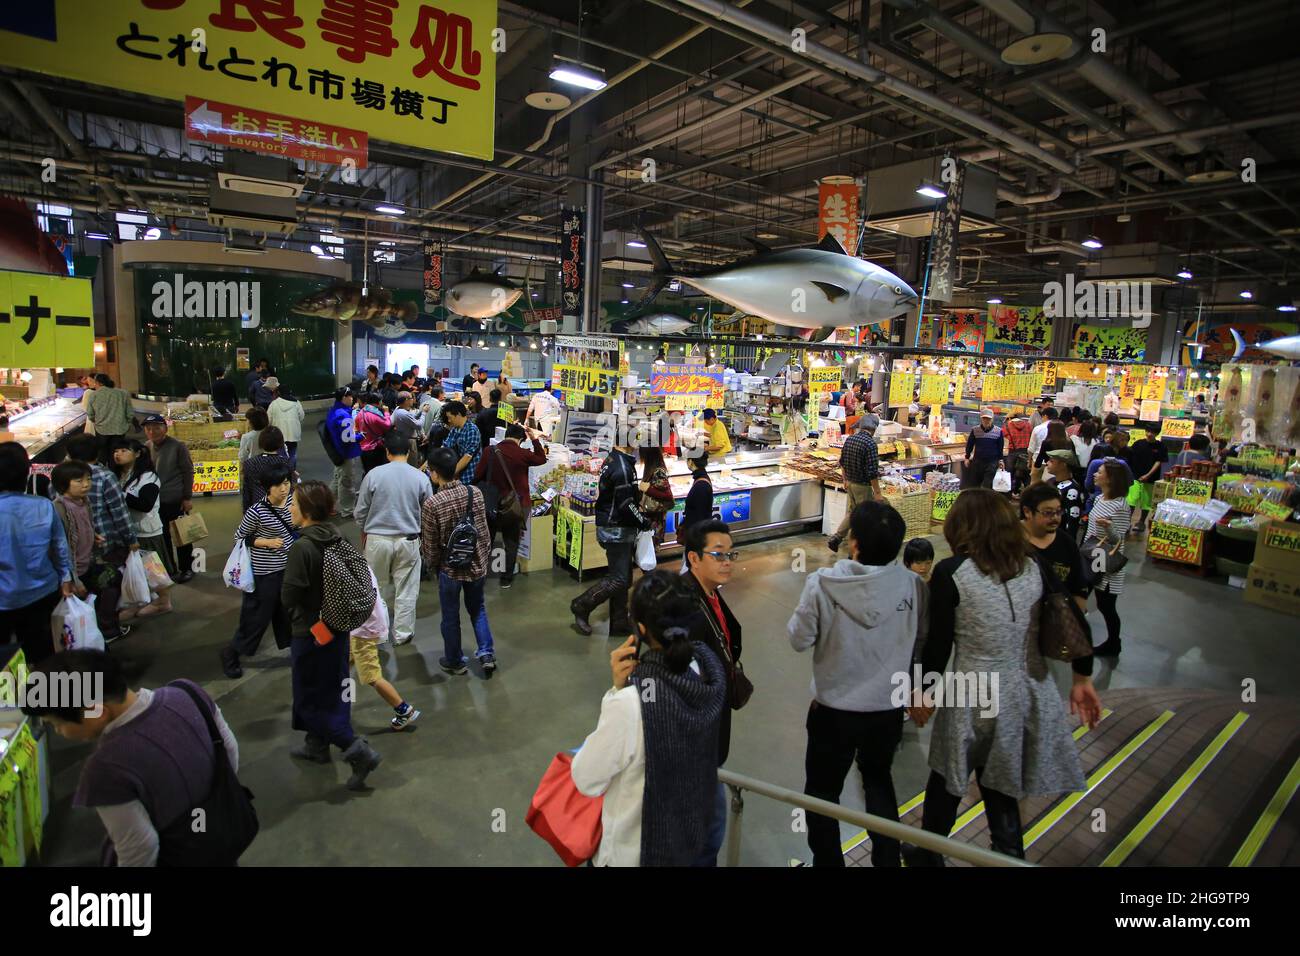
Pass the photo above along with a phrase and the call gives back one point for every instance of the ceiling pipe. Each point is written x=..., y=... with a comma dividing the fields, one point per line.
x=836, y=63
x=1258, y=223
x=1276, y=119
x=41, y=106
x=1029, y=199
x=1112, y=81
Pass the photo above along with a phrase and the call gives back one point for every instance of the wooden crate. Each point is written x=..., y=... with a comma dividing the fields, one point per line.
x=214, y=454
x=205, y=431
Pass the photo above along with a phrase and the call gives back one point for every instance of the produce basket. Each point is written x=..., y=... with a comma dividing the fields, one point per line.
x=214, y=432
x=915, y=509
x=214, y=454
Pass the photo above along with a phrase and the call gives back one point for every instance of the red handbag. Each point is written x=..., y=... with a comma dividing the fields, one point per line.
x=563, y=816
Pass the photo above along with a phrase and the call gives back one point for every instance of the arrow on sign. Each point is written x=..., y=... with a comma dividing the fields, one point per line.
x=203, y=119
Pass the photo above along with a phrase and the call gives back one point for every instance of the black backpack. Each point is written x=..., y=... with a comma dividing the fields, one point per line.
x=462, y=543
x=229, y=822
x=323, y=430
x=349, y=591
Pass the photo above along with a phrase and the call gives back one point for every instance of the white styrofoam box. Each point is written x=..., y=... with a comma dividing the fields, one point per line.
x=834, y=504
x=1236, y=582
x=835, y=413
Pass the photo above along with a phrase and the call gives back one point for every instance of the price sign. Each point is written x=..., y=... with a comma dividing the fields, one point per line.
x=941, y=504
x=1150, y=411
x=900, y=388
x=934, y=389
x=1177, y=428
x=217, y=477
x=1274, y=510
x=1174, y=543
x=1192, y=490
x=685, y=403
x=1281, y=537
x=1048, y=371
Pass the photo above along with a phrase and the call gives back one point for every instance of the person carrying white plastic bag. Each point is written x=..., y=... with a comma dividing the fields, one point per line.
x=73, y=625
x=646, y=559
x=363, y=644
x=1002, y=480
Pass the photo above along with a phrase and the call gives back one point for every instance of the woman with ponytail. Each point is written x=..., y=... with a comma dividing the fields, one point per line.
x=654, y=753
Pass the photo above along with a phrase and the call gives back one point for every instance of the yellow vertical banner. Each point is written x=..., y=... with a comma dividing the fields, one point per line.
x=901, y=386
x=934, y=389
x=1048, y=371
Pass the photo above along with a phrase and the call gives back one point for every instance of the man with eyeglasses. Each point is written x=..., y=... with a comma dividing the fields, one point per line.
x=711, y=559
x=1041, y=510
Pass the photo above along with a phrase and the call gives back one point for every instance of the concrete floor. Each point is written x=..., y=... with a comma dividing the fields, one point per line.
x=454, y=790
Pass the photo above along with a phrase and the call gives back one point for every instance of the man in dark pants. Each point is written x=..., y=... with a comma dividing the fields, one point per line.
x=175, y=470
x=224, y=400
x=864, y=617
x=985, y=450
x=711, y=558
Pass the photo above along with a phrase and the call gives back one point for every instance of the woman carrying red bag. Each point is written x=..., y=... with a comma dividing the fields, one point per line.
x=654, y=754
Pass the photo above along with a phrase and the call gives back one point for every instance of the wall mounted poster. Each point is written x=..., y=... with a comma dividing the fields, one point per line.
x=1107, y=344
x=1018, y=329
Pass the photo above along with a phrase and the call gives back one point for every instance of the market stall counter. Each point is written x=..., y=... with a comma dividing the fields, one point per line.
x=40, y=428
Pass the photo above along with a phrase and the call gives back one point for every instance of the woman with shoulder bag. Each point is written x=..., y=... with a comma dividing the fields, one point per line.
x=618, y=521
x=656, y=490
x=1108, y=525
x=984, y=607
x=508, y=463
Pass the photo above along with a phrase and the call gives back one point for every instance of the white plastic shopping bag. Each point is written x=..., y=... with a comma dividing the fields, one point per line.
x=239, y=569
x=155, y=571
x=376, y=626
x=135, y=584
x=73, y=625
x=1002, y=480
x=645, y=551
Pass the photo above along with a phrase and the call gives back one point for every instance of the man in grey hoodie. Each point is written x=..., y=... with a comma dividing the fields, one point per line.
x=863, y=617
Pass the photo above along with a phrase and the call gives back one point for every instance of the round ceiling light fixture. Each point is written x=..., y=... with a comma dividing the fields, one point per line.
x=547, y=100
x=992, y=235
x=1037, y=48
x=529, y=217
x=631, y=173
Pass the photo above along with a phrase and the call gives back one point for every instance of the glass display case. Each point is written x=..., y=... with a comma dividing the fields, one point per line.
x=41, y=427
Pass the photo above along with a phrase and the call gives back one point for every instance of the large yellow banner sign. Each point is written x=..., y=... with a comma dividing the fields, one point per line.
x=45, y=321
x=420, y=73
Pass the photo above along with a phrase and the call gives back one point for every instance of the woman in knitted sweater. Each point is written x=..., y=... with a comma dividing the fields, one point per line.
x=653, y=755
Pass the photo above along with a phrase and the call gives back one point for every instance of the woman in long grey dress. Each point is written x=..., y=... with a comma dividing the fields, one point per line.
x=1012, y=734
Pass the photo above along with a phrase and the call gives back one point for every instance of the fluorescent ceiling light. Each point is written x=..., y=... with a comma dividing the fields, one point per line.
x=390, y=210
x=933, y=192
x=153, y=233
x=995, y=301
x=1184, y=274
x=97, y=235
x=636, y=244
x=768, y=235
x=627, y=285
x=317, y=250
x=1246, y=294
x=572, y=74
x=623, y=301
x=1286, y=308
x=1092, y=242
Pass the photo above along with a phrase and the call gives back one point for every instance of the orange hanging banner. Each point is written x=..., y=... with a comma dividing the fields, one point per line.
x=837, y=211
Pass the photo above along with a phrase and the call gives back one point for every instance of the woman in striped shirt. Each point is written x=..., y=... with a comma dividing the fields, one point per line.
x=268, y=530
x=1108, y=520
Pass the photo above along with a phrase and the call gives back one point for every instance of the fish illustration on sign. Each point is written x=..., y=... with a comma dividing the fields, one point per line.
x=481, y=295
x=1288, y=347
x=818, y=288
x=350, y=302
x=653, y=323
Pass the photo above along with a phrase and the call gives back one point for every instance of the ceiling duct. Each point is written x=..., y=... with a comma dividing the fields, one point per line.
x=253, y=212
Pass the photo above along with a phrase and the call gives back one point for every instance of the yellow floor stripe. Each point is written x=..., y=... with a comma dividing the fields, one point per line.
x=1105, y=770
x=1272, y=813
x=1170, y=799
x=916, y=801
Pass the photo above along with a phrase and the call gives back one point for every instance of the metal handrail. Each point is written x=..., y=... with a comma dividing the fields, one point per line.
x=874, y=824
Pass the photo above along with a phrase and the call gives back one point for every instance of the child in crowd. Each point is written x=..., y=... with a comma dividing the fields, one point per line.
x=918, y=557
x=71, y=481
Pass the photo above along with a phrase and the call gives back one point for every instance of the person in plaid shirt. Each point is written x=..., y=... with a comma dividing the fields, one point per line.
x=860, y=460
x=463, y=439
x=438, y=516
x=107, y=503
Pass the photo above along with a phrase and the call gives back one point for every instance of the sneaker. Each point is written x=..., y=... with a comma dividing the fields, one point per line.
x=489, y=664
x=833, y=543
x=122, y=631
x=405, y=720
x=183, y=578
x=399, y=641
x=455, y=670
x=796, y=862
x=507, y=582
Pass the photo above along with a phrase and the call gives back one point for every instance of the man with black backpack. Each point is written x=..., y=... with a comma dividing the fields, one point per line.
x=455, y=540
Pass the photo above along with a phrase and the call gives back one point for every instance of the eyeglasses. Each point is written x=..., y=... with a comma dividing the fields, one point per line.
x=1054, y=513
x=724, y=555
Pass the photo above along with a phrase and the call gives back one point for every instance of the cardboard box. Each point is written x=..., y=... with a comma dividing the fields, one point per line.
x=541, y=544
x=1278, y=547
x=1275, y=589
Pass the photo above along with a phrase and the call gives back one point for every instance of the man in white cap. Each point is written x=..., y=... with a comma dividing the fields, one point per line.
x=985, y=449
x=860, y=460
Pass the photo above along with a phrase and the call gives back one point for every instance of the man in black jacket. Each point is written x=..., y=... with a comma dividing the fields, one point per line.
x=616, y=531
x=487, y=420
x=224, y=399
x=711, y=558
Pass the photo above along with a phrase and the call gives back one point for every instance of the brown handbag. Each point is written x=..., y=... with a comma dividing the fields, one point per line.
x=1063, y=630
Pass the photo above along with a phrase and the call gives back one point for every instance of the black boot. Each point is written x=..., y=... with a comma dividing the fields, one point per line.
x=914, y=856
x=363, y=759
x=313, y=749
x=592, y=598
x=1004, y=829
